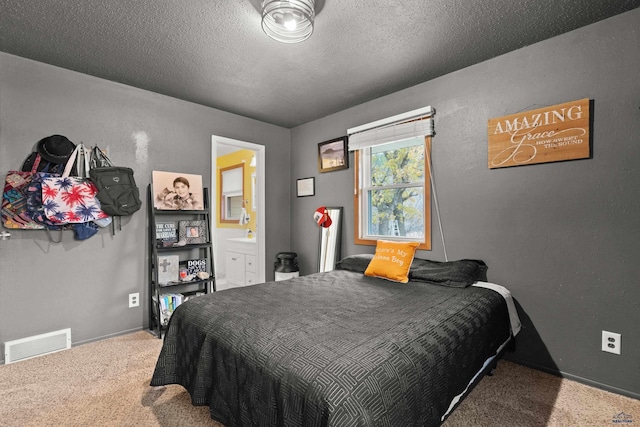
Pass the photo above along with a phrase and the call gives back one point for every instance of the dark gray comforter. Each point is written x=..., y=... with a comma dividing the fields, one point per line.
x=331, y=349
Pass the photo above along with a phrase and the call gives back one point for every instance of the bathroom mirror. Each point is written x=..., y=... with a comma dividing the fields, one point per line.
x=232, y=197
x=330, y=238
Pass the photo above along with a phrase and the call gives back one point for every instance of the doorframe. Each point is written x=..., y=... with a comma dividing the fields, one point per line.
x=260, y=199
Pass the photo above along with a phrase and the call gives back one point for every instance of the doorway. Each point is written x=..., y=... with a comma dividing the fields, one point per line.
x=227, y=236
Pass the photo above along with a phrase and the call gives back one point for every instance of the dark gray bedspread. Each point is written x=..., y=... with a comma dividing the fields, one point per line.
x=331, y=349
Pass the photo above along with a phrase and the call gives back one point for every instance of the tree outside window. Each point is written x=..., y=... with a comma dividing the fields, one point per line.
x=393, y=197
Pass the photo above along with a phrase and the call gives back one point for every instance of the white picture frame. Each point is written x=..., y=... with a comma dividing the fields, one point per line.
x=305, y=187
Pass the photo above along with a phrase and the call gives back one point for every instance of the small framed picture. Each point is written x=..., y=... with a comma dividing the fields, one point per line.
x=193, y=232
x=333, y=155
x=305, y=187
x=166, y=234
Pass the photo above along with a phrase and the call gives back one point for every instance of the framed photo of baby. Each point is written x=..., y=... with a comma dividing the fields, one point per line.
x=177, y=191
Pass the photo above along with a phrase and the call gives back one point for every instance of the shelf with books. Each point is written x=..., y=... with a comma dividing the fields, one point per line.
x=166, y=304
x=180, y=259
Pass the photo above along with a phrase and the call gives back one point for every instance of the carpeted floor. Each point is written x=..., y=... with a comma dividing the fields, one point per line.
x=106, y=383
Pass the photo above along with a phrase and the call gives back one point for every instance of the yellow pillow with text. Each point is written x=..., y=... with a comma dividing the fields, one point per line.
x=392, y=260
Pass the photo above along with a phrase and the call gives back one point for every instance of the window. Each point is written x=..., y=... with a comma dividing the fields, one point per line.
x=392, y=193
x=232, y=195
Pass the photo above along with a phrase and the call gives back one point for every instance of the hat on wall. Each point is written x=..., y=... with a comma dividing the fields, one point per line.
x=55, y=148
x=30, y=160
x=321, y=216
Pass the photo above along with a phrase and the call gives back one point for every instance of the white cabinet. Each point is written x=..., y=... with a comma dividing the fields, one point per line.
x=250, y=269
x=235, y=268
x=240, y=262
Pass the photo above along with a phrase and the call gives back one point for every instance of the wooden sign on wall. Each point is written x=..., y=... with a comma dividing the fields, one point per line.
x=551, y=134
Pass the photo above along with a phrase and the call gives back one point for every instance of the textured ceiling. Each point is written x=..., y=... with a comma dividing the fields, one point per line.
x=214, y=53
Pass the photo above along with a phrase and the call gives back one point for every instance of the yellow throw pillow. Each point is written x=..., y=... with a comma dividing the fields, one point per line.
x=392, y=260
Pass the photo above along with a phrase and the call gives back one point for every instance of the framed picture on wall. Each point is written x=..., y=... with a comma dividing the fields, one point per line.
x=177, y=191
x=305, y=187
x=333, y=155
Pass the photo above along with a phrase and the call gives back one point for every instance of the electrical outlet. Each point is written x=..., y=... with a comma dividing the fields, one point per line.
x=611, y=342
x=134, y=300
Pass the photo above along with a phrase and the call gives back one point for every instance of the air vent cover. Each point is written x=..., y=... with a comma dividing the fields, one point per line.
x=37, y=345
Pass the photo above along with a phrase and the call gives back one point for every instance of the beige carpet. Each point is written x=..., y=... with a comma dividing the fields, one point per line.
x=106, y=383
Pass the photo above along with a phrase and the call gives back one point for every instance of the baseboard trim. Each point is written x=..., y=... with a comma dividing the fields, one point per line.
x=104, y=337
x=586, y=381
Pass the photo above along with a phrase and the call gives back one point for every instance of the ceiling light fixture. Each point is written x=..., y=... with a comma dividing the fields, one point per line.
x=288, y=21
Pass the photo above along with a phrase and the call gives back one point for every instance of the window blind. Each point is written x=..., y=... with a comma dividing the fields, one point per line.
x=232, y=181
x=392, y=129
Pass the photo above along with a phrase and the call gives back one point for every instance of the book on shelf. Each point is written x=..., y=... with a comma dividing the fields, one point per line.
x=168, y=304
x=168, y=269
x=166, y=234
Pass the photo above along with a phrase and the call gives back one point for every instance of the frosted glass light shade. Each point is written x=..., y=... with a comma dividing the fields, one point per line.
x=288, y=21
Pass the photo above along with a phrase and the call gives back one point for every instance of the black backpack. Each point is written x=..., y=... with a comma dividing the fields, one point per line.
x=117, y=190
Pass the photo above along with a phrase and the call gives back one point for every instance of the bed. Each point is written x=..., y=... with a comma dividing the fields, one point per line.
x=340, y=348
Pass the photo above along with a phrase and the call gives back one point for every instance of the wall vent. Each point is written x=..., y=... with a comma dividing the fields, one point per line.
x=37, y=345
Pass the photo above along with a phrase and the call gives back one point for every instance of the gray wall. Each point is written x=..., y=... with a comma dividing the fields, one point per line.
x=85, y=285
x=563, y=237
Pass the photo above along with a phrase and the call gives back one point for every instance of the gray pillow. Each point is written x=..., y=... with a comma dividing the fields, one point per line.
x=456, y=274
x=357, y=263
